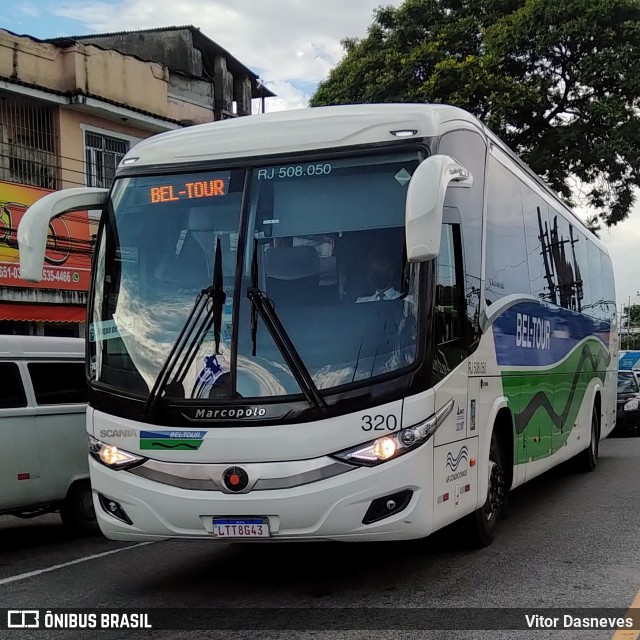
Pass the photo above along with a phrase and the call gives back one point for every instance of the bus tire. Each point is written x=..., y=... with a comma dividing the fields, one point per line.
x=77, y=512
x=587, y=460
x=482, y=524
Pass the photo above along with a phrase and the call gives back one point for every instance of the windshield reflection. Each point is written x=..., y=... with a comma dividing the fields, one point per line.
x=331, y=259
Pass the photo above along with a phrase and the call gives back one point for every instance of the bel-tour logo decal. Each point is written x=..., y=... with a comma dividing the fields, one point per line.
x=171, y=440
x=532, y=332
x=453, y=462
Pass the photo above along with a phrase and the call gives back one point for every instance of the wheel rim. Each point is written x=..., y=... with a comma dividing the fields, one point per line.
x=495, y=499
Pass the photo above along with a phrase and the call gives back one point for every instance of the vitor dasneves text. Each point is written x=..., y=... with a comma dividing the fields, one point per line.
x=536, y=621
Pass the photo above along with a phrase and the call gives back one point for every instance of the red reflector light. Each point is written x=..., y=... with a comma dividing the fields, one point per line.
x=445, y=497
x=24, y=476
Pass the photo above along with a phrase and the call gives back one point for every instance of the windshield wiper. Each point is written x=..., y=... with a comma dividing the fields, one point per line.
x=195, y=328
x=261, y=305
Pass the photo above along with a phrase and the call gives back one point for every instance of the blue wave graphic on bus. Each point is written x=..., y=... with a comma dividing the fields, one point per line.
x=454, y=462
x=537, y=334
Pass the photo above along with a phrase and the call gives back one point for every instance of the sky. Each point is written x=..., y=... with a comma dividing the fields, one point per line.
x=290, y=44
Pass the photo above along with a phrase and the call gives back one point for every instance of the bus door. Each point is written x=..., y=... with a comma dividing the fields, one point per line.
x=455, y=476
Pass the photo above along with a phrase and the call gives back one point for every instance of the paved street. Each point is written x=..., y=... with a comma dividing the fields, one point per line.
x=570, y=541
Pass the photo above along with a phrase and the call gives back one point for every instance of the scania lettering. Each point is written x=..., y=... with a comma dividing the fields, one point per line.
x=118, y=433
x=378, y=318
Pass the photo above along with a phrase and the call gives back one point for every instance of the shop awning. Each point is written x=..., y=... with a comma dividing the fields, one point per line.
x=42, y=312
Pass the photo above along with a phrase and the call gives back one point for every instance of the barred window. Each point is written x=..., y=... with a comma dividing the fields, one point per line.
x=28, y=142
x=103, y=153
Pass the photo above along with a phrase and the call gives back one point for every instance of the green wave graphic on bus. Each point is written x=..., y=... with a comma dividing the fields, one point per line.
x=546, y=402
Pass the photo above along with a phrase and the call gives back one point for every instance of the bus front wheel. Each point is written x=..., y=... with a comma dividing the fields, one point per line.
x=482, y=524
x=77, y=512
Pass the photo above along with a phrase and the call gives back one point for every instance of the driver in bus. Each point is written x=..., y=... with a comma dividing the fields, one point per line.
x=380, y=275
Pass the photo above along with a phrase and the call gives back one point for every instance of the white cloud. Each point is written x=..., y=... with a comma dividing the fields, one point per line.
x=29, y=10
x=288, y=97
x=623, y=243
x=283, y=39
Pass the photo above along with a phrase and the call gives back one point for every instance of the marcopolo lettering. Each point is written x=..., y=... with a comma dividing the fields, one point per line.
x=221, y=414
x=532, y=332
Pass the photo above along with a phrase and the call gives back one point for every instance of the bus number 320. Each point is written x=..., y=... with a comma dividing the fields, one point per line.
x=379, y=423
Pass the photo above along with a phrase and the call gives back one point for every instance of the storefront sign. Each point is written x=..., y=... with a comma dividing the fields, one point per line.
x=67, y=261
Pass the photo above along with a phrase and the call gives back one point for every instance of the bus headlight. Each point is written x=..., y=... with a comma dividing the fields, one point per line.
x=111, y=456
x=394, y=445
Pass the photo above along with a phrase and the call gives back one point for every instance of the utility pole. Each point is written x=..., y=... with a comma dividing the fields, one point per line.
x=629, y=324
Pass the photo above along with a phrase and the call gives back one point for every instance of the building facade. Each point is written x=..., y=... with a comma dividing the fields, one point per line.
x=70, y=109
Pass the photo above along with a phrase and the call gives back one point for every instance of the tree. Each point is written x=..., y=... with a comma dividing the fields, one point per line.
x=629, y=329
x=557, y=80
x=635, y=315
x=593, y=224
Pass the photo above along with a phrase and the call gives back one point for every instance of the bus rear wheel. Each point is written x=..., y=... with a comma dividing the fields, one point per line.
x=482, y=524
x=587, y=460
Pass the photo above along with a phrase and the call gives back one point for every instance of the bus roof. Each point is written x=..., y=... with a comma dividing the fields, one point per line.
x=297, y=130
x=40, y=347
x=300, y=130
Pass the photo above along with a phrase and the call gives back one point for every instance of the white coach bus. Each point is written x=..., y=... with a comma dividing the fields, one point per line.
x=347, y=323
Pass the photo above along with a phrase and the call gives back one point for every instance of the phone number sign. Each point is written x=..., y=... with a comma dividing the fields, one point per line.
x=67, y=260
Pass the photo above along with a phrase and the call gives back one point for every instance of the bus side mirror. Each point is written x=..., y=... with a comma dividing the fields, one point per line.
x=34, y=226
x=425, y=204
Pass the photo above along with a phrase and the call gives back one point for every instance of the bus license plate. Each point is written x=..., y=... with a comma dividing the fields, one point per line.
x=241, y=528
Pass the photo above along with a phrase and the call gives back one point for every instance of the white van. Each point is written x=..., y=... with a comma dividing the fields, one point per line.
x=43, y=444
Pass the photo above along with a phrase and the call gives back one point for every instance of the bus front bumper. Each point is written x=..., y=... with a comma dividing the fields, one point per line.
x=329, y=509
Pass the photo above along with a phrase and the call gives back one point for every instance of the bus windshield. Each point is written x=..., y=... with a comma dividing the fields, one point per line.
x=322, y=241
